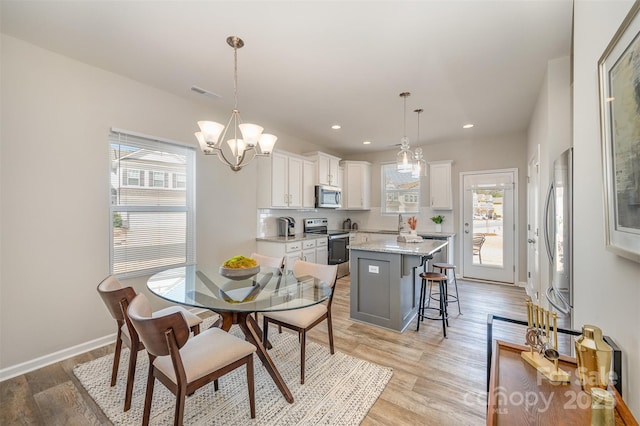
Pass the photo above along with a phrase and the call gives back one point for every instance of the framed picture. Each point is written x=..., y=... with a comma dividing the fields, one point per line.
x=619, y=78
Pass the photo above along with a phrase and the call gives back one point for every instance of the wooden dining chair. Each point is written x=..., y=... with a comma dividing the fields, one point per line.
x=117, y=298
x=183, y=364
x=269, y=262
x=303, y=320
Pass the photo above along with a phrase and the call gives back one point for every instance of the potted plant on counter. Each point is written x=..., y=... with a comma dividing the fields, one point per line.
x=438, y=221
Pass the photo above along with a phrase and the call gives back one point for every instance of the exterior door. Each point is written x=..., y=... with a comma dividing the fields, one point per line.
x=488, y=237
x=533, y=228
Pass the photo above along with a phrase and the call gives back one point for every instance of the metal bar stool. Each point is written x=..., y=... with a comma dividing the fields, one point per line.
x=444, y=269
x=441, y=279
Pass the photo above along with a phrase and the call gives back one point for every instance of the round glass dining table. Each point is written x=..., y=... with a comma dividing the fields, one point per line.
x=271, y=289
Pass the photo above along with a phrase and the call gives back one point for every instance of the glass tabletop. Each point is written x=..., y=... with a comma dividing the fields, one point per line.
x=269, y=290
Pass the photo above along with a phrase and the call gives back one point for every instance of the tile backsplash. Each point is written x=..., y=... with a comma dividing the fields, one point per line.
x=367, y=220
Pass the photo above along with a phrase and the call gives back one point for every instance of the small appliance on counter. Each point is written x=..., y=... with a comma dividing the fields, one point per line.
x=346, y=224
x=286, y=226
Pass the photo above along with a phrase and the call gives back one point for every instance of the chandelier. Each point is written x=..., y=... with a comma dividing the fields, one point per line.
x=236, y=153
x=404, y=159
x=420, y=164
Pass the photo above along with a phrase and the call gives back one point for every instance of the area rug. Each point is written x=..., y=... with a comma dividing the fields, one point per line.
x=339, y=390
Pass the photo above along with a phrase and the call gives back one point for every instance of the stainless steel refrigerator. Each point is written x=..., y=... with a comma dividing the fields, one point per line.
x=558, y=232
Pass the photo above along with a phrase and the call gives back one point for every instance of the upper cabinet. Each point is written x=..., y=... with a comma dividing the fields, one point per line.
x=327, y=168
x=308, y=184
x=356, y=189
x=440, y=189
x=280, y=181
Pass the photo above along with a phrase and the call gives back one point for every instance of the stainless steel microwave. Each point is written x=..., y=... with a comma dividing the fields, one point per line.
x=328, y=197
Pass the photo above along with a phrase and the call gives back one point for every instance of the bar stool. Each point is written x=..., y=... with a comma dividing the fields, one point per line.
x=444, y=269
x=430, y=278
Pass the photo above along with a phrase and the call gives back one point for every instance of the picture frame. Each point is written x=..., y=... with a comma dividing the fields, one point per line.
x=619, y=81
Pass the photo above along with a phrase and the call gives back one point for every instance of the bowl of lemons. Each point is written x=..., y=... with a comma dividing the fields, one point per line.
x=239, y=268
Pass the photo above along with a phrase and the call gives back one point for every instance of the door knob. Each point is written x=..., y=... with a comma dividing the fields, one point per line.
x=466, y=232
x=531, y=241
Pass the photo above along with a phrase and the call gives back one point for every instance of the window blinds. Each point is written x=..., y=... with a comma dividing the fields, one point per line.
x=152, y=209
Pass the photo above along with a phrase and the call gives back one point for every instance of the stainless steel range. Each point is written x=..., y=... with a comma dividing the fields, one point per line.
x=338, y=243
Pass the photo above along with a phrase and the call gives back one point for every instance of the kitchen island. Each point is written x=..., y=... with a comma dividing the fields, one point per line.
x=383, y=280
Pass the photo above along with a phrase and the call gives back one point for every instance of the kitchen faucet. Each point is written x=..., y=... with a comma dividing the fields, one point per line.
x=400, y=223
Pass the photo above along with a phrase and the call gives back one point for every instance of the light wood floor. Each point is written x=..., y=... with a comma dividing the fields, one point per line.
x=435, y=381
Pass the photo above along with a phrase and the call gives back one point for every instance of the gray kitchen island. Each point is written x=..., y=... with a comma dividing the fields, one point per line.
x=384, y=289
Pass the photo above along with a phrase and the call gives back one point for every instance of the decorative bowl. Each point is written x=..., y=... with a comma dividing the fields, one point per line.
x=239, y=273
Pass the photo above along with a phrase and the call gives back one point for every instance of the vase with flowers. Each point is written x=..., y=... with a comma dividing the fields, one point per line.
x=438, y=221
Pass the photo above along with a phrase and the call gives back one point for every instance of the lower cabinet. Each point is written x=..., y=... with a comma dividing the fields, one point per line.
x=322, y=251
x=311, y=250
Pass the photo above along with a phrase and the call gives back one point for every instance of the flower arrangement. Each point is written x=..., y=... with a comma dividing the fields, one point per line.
x=413, y=222
x=438, y=219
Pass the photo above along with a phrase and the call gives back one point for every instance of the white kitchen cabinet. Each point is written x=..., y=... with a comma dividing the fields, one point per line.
x=356, y=191
x=440, y=188
x=312, y=250
x=322, y=251
x=308, y=184
x=326, y=167
x=280, y=181
x=309, y=251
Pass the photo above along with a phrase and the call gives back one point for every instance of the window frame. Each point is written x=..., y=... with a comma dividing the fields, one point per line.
x=397, y=194
x=142, y=141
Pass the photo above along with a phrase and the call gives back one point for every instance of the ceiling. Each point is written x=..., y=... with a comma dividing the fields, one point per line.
x=309, y=64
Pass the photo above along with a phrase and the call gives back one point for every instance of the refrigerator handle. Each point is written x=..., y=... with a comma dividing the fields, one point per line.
x=547, y=206
x=565, y=308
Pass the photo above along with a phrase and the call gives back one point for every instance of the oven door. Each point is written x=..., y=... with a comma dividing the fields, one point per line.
x=338, y=251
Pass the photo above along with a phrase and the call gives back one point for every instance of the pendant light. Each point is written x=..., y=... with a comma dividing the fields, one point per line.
x=404, y=159
x=420, y=164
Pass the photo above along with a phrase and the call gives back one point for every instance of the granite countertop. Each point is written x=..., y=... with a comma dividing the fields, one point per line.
x=391, y=245
x=296, y=237
x=421, y=233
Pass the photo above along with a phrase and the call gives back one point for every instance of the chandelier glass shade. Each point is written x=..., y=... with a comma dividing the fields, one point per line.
x=235, y=152
x=404, y=158
x=420, y=164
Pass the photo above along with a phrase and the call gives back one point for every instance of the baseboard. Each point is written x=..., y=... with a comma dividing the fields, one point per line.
x=521, y=284
x=52, y=358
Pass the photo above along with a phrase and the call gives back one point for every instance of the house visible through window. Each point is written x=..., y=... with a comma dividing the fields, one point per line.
x=400, y=191
x=152, y=191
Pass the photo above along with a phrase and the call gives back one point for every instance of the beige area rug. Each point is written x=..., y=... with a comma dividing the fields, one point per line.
x=338, y=390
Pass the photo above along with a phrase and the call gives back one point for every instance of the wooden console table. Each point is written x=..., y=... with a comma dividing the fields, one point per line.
x=519, y=396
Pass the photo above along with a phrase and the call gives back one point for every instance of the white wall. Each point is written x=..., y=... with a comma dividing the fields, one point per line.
x=54, y=176
x=500, y=152
x=606, y=286
x=550, y=128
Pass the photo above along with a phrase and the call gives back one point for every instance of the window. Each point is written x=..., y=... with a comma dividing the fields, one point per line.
x=158, y=179
x=132, y=178
x=152, y=227
x=400, y=191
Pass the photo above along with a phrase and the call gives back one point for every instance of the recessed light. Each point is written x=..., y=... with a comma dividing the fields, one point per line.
x=336, y=127
x=366, y=143
x=467, y=126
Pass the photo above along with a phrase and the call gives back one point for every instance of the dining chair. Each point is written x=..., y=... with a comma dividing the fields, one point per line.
x=303, y=320
x=478, y=241
x=117, y=299
x=268, y=261
x=183, y=364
